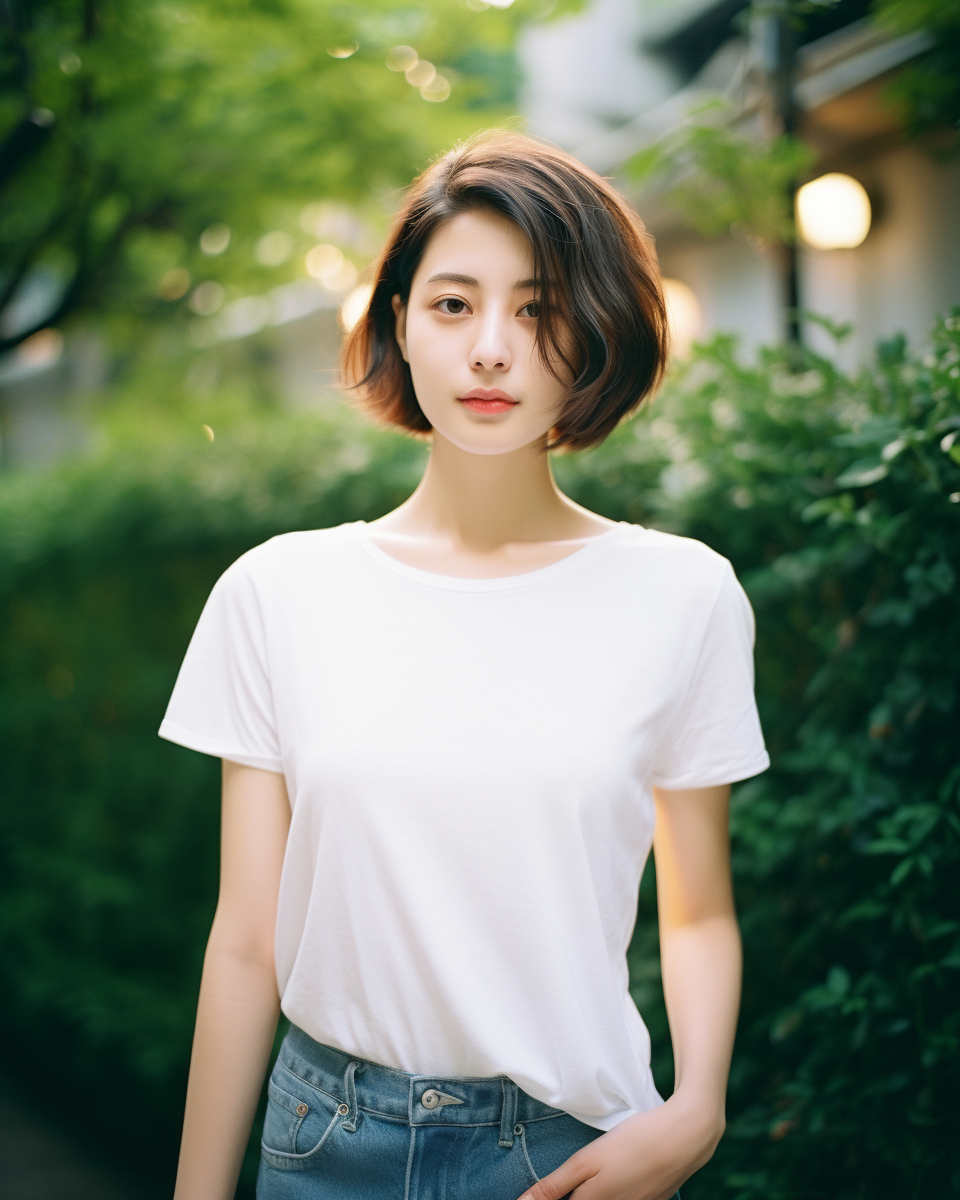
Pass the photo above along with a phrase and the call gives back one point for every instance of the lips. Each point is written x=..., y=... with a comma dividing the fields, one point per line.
x=488, y=400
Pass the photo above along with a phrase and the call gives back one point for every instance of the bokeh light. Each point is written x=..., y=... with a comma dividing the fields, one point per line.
x=327, y=264
x=401, y=58
x=207, y=298
x=41, y=349
x=173, y=284
x=833, y=212
x=355, y=305
x=684, y=316
x=437, y=89
x=274, y=248
x=421, y=73
x=215, y=239
x=323, y=260
x=343, y=51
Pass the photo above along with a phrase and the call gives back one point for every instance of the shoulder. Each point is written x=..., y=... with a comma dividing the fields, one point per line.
x=671, y=560
x=286, y=557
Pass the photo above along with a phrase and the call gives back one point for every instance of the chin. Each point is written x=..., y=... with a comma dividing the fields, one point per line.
x=490, y=441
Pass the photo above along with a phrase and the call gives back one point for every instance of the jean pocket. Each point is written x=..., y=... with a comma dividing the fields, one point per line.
x=547, y=1144
x=300, y=1120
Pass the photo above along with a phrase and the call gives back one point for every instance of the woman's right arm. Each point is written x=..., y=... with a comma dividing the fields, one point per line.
x=239, y=1007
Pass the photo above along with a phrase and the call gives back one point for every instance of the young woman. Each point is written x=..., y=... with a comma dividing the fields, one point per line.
x=450, y=736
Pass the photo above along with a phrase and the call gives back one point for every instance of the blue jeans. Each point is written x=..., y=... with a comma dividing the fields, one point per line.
x=342, y=1128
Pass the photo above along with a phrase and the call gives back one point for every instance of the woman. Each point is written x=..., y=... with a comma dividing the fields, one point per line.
x=449, y=737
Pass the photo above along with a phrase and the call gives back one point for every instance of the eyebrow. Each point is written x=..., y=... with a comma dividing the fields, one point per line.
x=469, y=281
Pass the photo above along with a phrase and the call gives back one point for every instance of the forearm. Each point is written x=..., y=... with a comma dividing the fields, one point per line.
x=702, y=964
x=237, y=1018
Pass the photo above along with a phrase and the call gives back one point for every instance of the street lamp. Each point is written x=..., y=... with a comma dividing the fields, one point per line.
x=833, y=212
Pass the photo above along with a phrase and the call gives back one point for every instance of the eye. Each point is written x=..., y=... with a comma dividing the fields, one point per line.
x=531, y=310
x=456, y=306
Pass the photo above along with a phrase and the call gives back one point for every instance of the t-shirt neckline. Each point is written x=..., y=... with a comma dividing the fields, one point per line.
x=490, y=584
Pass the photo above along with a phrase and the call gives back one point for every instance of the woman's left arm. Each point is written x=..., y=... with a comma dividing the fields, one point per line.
x=648, y=1156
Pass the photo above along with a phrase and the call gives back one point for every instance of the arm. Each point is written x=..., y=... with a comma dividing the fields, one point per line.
x=239, y=1007
x=648, y=1156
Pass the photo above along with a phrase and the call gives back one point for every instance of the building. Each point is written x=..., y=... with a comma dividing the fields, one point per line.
x=610, y=80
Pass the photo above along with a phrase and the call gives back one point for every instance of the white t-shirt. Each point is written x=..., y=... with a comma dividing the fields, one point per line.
x=469, y=764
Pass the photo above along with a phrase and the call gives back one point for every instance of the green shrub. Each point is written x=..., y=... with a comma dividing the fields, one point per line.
x=833, y=498
x=838, y=501
x=108, y=835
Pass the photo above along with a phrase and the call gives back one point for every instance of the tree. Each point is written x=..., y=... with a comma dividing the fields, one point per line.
x=135, y=125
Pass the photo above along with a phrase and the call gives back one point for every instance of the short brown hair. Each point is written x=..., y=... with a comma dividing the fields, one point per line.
x=601, y=309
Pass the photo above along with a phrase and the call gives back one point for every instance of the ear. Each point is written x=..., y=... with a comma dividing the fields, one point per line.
x=400, y=312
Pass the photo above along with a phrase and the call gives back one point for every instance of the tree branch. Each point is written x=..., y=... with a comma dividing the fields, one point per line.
x=86, y=268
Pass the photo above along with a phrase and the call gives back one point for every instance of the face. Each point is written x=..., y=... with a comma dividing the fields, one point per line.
x=468, y=332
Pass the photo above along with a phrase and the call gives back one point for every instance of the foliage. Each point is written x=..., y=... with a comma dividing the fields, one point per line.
x=929, y=88
x=720, y=180
x=838, y=501
x=108, y=836
x=133, y=125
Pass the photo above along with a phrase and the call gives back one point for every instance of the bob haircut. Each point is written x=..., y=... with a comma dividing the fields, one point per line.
x=601, y=317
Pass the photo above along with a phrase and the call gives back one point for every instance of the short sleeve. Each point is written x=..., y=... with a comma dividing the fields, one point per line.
x=718, y=737
x=221, y=702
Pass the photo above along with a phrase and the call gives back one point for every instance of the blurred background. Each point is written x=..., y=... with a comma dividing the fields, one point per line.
x=192, y=196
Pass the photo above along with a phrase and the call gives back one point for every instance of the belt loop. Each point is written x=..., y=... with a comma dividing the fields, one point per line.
x=350, y=1121
x=508, y=1114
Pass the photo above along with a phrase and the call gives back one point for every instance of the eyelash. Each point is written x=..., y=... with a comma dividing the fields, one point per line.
x=456, y=300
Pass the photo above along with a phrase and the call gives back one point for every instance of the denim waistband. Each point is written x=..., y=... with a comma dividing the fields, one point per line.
x=359, y=1083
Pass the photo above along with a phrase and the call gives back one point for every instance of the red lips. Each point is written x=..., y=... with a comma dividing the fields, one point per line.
x=488, y=400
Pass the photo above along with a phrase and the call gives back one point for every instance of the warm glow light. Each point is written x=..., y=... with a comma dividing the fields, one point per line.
x=833, y=212
x=327, y=264
x=421, y=73
x=324, y=260
x=41, y=349
x=355, y=305
x=401, y=58
x=684, y=316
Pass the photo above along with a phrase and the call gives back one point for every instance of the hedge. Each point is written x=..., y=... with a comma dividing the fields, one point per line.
x=836, y=497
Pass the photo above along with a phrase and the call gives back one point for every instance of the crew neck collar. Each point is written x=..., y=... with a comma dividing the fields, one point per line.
x=497, y=583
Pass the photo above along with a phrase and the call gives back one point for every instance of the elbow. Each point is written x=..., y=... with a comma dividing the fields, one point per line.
x=242, y=948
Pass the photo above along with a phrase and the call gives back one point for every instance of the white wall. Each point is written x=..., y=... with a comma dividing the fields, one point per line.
x=587, y=73
x=739, y=288
x=908, y=269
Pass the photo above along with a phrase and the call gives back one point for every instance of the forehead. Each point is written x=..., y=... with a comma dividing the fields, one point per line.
x=481, y=244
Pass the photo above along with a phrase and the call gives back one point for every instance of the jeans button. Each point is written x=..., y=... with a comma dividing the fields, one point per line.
x=430, y=1098
x=302, y=1110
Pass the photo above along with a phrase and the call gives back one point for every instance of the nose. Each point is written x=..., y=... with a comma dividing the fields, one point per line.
x=491, y=351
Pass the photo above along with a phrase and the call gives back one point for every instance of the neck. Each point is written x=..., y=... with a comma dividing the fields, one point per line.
x=483, y=501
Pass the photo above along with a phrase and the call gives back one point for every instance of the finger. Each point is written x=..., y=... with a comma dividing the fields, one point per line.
x=561, y=1182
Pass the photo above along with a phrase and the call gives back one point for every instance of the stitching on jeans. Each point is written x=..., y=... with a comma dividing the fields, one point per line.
x=523, y=1147
x=406, y=1186
x=284, y=1156
x=404, y=1120
x=322, y=1091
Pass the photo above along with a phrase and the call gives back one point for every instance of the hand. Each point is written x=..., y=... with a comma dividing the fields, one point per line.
x=645, y=1157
